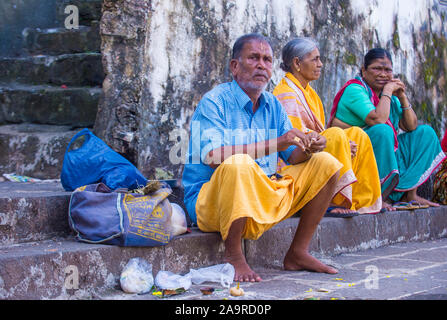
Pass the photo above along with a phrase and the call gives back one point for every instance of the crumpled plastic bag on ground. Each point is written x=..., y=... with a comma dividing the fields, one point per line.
x=137, y=277
x=221, y=273
x=172, y=281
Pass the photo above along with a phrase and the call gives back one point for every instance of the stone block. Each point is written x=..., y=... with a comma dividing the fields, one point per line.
x=33, y=212
x=57, y=41
x=397, y=226
x=34, y=150
x=337, y=235
x=44, y=104
x=83, y=69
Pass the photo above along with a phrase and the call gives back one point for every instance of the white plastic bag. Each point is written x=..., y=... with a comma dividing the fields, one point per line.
x=178, y=220
x=137, y=277
x=172, y=281
x=221, y=273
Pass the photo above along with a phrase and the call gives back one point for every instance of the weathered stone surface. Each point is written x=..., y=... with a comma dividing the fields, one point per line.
x=123, y=28
x=89, y=10
x=39, y=211
x=33, y=212
x=46, y=104
x=44, y=270
x=337, y=235
x=58, y=41
x=82, y=69
x=41, y=270
x=160, y=57
x=33, y=218
x=33, y=150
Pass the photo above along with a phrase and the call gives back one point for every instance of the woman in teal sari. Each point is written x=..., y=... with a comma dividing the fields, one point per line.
x=378, y=103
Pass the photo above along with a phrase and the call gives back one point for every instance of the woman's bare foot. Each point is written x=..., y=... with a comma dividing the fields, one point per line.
x=304, y=261
x=243, y=272
x=340, y=209
x=387, y=206
x=412, y=196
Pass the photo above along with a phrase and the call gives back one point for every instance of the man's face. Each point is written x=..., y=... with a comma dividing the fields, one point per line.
x=253, y=69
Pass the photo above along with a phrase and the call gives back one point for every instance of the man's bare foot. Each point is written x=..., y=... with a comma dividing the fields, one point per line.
x=304, y=261
x=243, y=272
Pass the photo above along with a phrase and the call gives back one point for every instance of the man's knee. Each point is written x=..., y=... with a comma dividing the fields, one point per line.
x=237, y=165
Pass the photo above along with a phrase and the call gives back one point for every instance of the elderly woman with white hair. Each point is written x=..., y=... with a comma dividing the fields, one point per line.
x=352, y=147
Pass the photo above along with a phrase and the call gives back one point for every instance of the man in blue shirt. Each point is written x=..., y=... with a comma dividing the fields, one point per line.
x=238, y=130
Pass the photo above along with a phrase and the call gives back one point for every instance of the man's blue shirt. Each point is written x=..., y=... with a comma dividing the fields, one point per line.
x=225, y=117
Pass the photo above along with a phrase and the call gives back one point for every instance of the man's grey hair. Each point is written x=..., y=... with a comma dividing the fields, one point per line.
x=241, y=41
x=299, y=47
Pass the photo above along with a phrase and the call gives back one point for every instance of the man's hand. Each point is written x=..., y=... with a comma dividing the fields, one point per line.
x=318, y=142
x=293, y=137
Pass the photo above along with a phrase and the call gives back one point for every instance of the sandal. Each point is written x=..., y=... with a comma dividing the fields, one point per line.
x=403, y=206
x=418, y=205
x=330, y=214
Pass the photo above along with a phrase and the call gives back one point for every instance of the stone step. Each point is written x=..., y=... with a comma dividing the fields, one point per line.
x=42, y=270
x=67, y=269
x=33, y=150
x=57, y=41
x=81, y=69
x=39, y=211
x=89, y=10
x=46, y=104
x=32, y=212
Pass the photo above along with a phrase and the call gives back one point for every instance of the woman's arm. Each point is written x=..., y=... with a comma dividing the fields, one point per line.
x=382, y=111
x=409, y=120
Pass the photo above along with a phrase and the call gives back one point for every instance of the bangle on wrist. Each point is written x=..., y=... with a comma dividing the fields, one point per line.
x=386, y=95
x=407, y=108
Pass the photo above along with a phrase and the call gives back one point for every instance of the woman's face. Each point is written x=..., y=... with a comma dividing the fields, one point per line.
x=378, y=73
x=310, y=67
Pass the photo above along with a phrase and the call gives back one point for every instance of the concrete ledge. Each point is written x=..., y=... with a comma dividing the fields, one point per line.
x=337, y=235
x=40, y=270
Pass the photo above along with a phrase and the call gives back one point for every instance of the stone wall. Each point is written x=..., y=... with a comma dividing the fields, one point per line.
x=161, y=56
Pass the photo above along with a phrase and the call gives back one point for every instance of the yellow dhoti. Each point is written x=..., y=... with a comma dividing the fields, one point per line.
x=239, y=188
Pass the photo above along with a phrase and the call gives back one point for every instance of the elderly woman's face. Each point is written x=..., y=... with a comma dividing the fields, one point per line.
x=310, y=66
x=378, y=73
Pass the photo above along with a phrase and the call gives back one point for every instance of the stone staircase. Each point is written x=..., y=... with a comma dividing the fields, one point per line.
x=50, y=91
